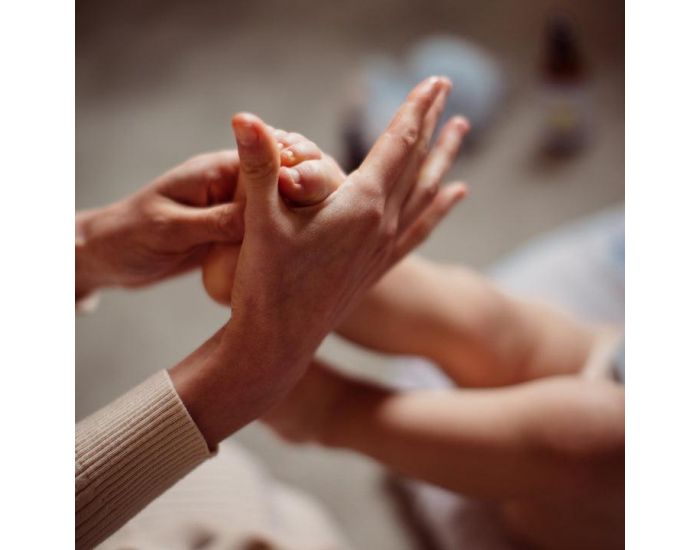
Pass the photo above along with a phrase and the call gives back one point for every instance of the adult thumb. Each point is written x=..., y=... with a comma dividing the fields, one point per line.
x=259, y=158
x=222, y=223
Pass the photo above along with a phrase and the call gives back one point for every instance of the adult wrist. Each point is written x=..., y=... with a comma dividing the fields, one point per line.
x=228, y=382
x=89, y=276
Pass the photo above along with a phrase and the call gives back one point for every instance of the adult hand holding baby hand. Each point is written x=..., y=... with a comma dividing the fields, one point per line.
x=332, y=251
x=300, y=269
x=317, y=175
x=169, y=226
x=306, y=177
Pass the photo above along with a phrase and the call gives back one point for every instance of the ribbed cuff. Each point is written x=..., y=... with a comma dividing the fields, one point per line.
x=130, y=452
x=87, y=304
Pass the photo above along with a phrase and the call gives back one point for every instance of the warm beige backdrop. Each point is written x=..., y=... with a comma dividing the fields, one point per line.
x=157, y=81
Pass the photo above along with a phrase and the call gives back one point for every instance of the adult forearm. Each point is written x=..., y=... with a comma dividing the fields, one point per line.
x=137, y=447
x=236, y=376
x=215, y=385
x=87, y=272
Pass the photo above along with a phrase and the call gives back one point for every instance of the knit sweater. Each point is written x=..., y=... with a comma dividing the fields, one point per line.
x=128, y=453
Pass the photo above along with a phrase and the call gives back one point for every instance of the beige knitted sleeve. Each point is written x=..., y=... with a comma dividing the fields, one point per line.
x=128, y=453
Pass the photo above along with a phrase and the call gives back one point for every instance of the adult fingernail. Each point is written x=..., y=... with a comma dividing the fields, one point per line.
x=461, y=191
x=246, y=133
x=461, y=123
x=432, y=83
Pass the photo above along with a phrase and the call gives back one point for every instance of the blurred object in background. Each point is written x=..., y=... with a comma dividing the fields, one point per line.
x=157, y=81
x=478, y=85
x=565, y=93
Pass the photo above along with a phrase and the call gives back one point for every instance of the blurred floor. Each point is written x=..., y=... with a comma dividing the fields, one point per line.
x=157, y=82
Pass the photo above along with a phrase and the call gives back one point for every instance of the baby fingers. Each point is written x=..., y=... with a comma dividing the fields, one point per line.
x=310, y=182
x=299, y=152
x=295, y=148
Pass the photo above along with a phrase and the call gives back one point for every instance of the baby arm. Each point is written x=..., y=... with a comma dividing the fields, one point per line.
x=476, y=333
x=553, y=437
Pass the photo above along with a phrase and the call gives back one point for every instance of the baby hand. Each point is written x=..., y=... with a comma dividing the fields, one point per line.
x=307, y=177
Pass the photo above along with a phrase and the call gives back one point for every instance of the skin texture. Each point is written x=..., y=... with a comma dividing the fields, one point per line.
x=318, y=175
x=300, y=269
x=162, y=230
x=454, y=316
x=309, y=249
x=173, y=224
x=526, y=425
x=307, y=176
x=300, y=266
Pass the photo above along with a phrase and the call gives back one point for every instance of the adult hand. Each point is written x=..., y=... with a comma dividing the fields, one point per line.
x=317, y=175
x=300, y=269
x=307, y=176
x=333, y=251
x=163, y=229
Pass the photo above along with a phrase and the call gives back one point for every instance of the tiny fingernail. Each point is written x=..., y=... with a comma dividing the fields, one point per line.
x=462, y=123
x=288, y=155
x=294, y=174
x=246, y=134
x=280, y=146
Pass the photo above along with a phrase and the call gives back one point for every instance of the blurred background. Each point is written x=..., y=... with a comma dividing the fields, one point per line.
x=157, y=82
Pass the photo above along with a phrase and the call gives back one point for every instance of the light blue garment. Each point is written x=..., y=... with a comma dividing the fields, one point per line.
x=619, y=363
x=579, y=268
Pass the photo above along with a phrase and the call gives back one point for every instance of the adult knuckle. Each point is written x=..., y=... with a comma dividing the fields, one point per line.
x=211, y=174
x=372, y=214
x=375, y=195
x=423, y=148
x=224, y=222
x=369, y=188
x=151, y=210
x=234, y=224
x=409, y=136
x=162, y=226
x=431, y=190
x=260, y=168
